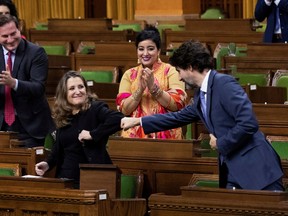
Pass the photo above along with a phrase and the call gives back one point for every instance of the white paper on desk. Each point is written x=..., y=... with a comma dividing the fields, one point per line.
x=31, y=176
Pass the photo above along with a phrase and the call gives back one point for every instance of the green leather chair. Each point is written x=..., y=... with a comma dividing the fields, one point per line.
x=240, y=51
x=208, y=183
x=249, y=78
x=10, y=169
x=86, y=47
x=49, y=141
x=174, y=27
x=41, y=26
x=188, y=134
x=131, y=185
x=105, y=74
x=54, y=50
x=283, y=82
x=98, y=76
x=205, y=145
x=213, y=13
x=55, y=47
x=120, y=27
x=262, y=27
x=6, y=172
x=128, y=186
x=281, y=147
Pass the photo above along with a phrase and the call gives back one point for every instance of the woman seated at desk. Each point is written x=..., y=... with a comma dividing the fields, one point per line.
x=84, y=126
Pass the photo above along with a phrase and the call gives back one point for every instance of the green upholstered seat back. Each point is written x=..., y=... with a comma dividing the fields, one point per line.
x=55, y=49
x=128, y=186
x=49, y=141
x=283, y=82
x=240, y=51
x=120, y=27
x=212, y=13
x=98, y=76
x=281, y=147
x=41, y=26
x=6, y=172
x=263, y=27
x=248, y=78
x=205, y=145
x=174, y=27
x=208, y=183
x=188, y=134
x=87, y=50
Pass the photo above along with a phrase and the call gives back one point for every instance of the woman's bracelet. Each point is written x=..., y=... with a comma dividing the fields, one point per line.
x=137, y=95
x=156, y=92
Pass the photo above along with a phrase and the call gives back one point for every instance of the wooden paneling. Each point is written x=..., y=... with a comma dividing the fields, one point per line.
x=88, y=24
x=76, y=36
x=31, y=201
x=34, y=181
x=98, y=176
x=27, y=158
x=95, y=8
x=260, y=64
x=166, y=164
x=219, y=25
x=211, y=39
x=272, y=119
x=211, y=201
x=233, y=8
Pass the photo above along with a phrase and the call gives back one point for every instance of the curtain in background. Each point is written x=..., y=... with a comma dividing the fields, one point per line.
x=248, y=8
x=33, y=11
x=121, y=9
x=124, y=9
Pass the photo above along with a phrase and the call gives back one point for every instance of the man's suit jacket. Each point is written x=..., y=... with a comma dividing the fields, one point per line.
x=262, y=11
x=249, y=157
x=31, y=69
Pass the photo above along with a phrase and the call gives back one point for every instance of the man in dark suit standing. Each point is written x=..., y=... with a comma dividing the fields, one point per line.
x=246, y=159
x=276, y=12
x=24, y=69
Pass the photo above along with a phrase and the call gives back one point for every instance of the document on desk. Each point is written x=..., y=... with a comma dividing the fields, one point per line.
x=31, y=176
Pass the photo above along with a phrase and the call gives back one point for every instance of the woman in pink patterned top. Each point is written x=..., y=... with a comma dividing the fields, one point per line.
x=151, y=87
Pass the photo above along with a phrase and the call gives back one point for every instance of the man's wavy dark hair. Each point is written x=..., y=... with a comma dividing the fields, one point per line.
x=192, y=53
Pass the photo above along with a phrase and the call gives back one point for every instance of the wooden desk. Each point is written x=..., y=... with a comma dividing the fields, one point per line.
x=99, y=60
x=256, y=64
x=222, y=25
x=36, y=182
x=36, y=201
x=27, y=158
x=166, y=164
x=270, y=49
x=100, y=176
x=272, y=119
x=5, y=138
x=266, y=94
x=80, y=24
x=211, y=38
x=208, y=201
x=104, y=90
x=76, y=36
